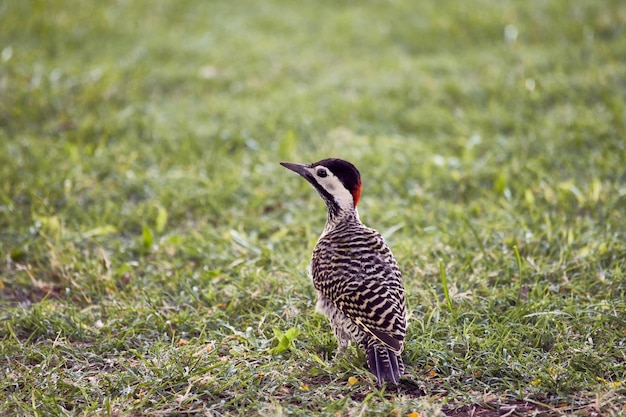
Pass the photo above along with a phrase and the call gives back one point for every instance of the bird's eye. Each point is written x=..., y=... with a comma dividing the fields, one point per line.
x=322, y=173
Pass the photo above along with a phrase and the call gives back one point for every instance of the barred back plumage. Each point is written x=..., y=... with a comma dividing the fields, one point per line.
x=353, y=268
x=358, y=281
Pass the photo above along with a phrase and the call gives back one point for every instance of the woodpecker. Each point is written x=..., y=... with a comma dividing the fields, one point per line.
x=357, y=279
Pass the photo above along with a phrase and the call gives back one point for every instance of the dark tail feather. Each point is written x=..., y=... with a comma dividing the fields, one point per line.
x=384, y=364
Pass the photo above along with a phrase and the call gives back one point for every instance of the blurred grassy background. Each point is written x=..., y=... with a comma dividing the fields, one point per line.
x=150, y=241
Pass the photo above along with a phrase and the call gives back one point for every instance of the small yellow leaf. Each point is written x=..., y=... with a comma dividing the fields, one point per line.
x=432, y=373
x=182, y=342
x=352, y=380
x=529, y=197
x=305, y=387
x=161, y=219
x=99, y=231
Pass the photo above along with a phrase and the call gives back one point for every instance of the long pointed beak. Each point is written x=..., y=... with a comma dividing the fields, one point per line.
x=297, y=168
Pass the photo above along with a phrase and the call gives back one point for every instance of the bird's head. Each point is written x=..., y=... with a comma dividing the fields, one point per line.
x=337, y=181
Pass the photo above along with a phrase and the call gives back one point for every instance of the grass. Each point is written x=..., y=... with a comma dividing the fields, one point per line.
x=154, y=253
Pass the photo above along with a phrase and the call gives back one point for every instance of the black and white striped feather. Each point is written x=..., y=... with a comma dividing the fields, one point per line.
x=354, y=269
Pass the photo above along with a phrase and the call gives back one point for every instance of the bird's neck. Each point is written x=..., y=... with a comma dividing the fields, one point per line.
x=343, y=217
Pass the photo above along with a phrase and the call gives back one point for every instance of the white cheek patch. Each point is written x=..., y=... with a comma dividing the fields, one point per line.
x=345, y=200
x=341, y=194
x=333, y=185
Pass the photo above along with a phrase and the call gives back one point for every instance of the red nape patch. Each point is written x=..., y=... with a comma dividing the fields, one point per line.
x=356, y=193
